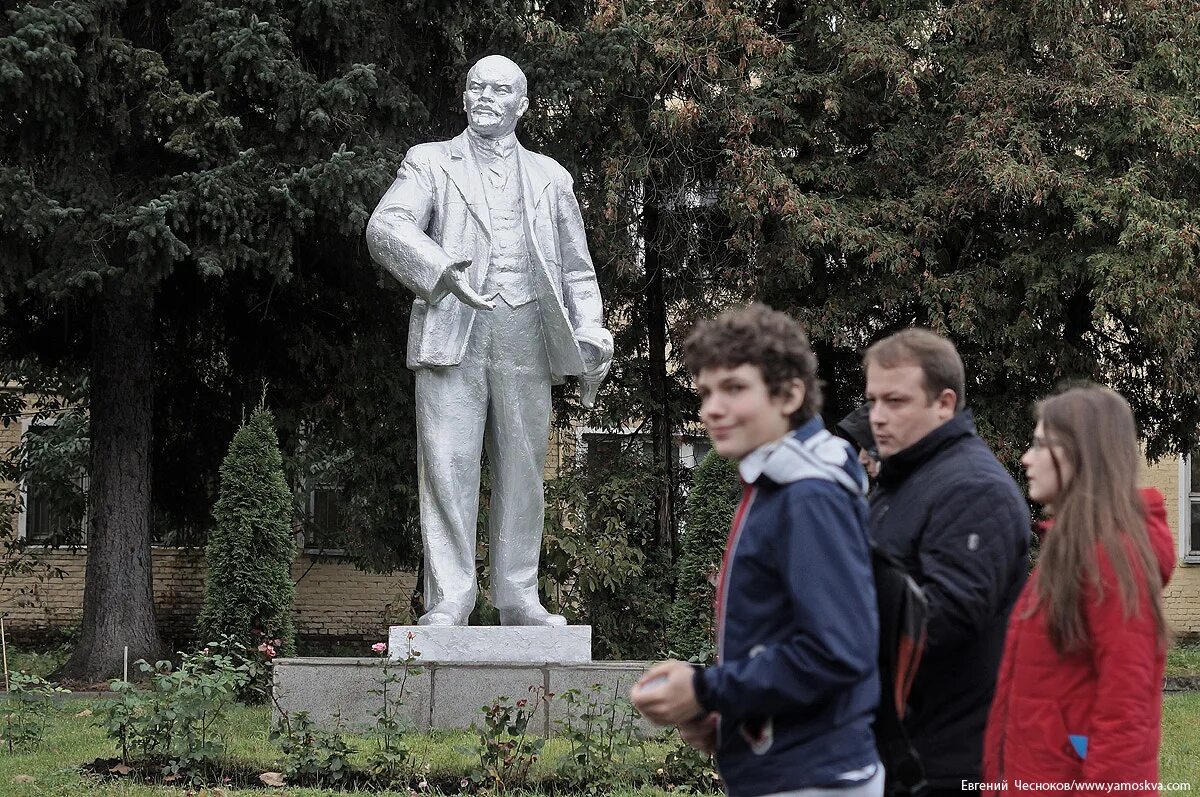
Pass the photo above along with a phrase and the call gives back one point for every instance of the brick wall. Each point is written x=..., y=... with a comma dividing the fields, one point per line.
x=333, y=598
x=10, y=436
x=1182, y=596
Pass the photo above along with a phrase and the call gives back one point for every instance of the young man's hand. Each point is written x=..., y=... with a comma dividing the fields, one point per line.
x=701, y=733
x=665, y=696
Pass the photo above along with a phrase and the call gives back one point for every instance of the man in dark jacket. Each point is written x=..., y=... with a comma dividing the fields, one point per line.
x=949, y=511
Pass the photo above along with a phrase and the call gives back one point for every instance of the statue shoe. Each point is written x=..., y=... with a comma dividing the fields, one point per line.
x=439, y=615
x=534, y=614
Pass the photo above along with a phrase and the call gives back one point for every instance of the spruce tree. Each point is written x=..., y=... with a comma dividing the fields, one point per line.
x=184, y=186
x=250, y=591
x=710, y=507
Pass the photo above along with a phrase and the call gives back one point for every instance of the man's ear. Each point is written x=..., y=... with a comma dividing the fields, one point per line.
x=523, y=107
x=947, y=404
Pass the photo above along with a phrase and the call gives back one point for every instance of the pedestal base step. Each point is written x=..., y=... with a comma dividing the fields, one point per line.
x=454, y=644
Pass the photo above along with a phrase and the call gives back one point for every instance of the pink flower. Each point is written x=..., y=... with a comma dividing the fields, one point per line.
x=379, y=647
x=267, y=650
x=205, y=651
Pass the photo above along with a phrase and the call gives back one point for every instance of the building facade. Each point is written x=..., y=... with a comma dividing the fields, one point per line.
x=336, y=600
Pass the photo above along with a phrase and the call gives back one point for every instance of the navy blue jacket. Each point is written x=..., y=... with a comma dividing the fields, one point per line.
x=948, y=509
x=797, y=627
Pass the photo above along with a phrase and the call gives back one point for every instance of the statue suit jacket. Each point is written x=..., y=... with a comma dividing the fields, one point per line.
x=435, y=214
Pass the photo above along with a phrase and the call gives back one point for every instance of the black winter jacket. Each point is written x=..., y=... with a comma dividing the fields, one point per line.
x=948, y=509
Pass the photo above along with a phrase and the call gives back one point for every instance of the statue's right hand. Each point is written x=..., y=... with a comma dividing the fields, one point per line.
x=458, y=283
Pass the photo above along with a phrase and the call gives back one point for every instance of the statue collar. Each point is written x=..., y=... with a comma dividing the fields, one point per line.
x=489, y=149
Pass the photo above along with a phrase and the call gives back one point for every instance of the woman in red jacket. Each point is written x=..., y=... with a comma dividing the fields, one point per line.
x=1079, y=696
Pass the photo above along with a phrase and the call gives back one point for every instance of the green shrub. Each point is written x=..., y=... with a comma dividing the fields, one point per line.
x=250, y=591
x=602, y=564
x=710, y=506
x=25, y=710
x=311, y=755
x=179, y=721
x=507, y=748
x=390, y=760
x=688, y=771
x=607, y=746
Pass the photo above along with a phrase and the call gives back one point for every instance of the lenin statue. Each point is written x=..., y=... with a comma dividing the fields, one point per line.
x=489, y=237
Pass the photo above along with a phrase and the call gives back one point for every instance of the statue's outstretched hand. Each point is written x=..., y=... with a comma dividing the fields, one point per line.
x=457, y=282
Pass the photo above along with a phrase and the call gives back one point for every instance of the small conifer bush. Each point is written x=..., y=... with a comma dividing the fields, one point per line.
x=250, y=591
x=710, y=506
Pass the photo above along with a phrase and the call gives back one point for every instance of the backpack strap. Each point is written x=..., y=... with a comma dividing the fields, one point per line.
x=902, y=621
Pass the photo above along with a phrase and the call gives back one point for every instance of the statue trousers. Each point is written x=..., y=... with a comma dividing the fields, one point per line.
x=498, y=397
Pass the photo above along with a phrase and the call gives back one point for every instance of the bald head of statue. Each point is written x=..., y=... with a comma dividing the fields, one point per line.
x=495, y=96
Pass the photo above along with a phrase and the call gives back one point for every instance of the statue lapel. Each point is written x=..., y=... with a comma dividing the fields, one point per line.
x=557, y=331
x=534, y=182
x=464, y=173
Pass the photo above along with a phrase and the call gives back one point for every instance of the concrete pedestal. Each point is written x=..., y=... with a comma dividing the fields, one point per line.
x=442, y=644
x=459, y=669
x=346, y=691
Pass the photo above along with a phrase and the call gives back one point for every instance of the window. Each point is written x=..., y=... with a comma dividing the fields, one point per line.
x=47, y=521
x=692, y=450
x=54, y=510
x=604, y=450
x=608, y=454
x=608, y=451
x=325, y=528
x=1189, y=508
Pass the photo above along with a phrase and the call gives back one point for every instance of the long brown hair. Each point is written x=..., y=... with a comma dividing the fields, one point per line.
x=1099, y=505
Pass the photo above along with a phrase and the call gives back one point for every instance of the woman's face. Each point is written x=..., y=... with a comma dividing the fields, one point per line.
x=1046, y=481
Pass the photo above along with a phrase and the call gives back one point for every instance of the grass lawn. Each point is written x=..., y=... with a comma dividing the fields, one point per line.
x=1180, y=756
x=53, y=769
x=1184, y=658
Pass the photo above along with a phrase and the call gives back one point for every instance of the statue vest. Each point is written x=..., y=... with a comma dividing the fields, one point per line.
x=509, y=274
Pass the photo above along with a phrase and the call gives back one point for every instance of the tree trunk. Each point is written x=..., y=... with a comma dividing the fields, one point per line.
x=660, y=421
x=118, y=597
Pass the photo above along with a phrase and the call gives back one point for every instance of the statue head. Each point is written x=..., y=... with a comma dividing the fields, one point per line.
x=495, y=96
